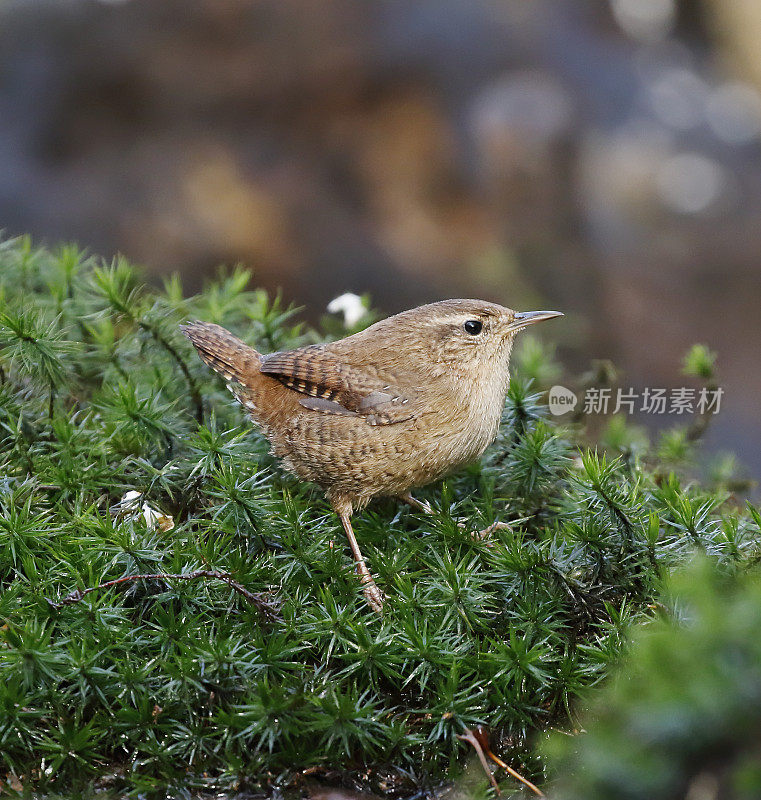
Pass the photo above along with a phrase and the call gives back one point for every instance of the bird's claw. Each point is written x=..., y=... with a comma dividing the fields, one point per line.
x=374, y=596
x=486, y=533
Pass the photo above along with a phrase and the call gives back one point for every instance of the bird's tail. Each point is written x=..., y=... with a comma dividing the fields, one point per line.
x=226, y=354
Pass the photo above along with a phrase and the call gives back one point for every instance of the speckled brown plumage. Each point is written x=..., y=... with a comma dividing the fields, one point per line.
x=396, y=406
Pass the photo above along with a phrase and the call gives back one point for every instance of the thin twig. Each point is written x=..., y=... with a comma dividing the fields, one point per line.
x=700, y=422
x=518, y=777
x=263, y=606
x=470, y=737
x=480, y=741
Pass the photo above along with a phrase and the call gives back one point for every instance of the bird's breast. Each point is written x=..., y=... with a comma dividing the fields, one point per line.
x=467, y=420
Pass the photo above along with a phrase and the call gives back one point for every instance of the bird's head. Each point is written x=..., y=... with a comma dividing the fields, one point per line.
x=473, y=334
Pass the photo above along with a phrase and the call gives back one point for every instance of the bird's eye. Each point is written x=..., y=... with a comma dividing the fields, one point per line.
x=473, y=326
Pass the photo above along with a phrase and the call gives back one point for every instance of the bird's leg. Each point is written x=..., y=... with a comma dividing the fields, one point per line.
x=418, y=505
x=422, y=505
x=369, y=587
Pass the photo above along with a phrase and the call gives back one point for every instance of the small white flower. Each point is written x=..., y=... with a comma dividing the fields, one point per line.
x=350, y=305
x=130, y=507
x=129, y=501
x=157, y=519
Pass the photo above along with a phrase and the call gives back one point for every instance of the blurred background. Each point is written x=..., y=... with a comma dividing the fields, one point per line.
x=601, y=157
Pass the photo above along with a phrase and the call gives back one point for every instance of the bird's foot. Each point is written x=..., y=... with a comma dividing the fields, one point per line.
x=485, y=534
x=489, y=529
x=425, y=507
x=418, y=505
x=373, y=594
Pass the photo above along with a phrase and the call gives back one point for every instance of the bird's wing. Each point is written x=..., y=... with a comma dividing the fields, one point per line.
x=331, y=386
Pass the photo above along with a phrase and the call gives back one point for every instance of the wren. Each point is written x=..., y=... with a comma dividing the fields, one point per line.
x=396, y=406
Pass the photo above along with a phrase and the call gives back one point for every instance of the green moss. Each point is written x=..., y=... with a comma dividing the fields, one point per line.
x=163, y=683
x=682, y=713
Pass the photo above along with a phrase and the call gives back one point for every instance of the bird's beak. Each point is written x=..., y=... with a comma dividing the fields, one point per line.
x=523, y=319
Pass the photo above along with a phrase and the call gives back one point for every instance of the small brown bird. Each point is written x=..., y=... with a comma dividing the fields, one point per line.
x=398, y=405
